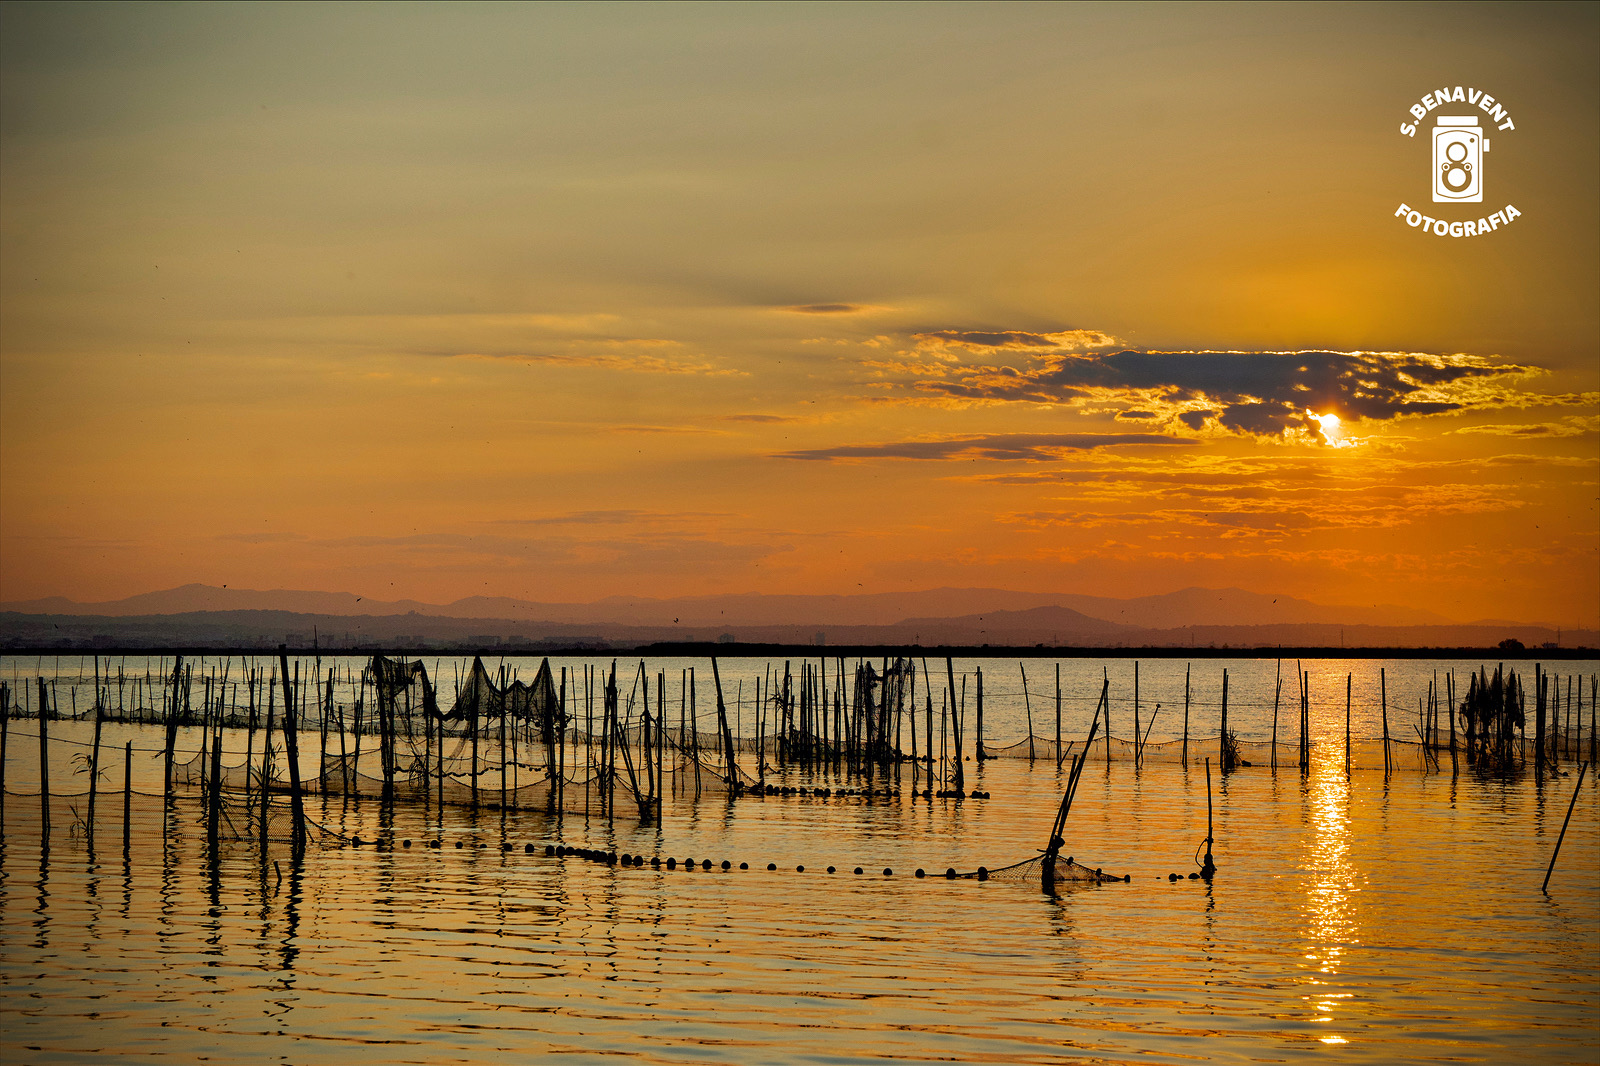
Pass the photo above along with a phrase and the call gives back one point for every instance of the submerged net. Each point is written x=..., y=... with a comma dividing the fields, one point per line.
x=1065, y=870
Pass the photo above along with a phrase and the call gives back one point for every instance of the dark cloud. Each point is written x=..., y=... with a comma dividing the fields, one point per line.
x=825, y=309
x=1027, y=447
x=1261, y=393
x=1005, y=339
x=759, y=418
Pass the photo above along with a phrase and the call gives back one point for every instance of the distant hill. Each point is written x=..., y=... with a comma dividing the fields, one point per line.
x=1187, y=607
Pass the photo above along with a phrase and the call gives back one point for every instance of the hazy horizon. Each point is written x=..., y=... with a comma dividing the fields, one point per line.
x=561, y=303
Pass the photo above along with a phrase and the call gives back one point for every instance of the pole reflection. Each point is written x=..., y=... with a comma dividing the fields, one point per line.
x=1330, y=909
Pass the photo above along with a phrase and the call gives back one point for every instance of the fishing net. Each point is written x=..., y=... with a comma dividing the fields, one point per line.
x=1064, y=870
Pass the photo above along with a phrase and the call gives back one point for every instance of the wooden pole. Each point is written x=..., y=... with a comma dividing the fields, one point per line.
x=1105, y=685
x=1348, y=680
x=1209, y=866
x=127, y=794
x=1186, y=668
x=1058, y=716
x=291, y=742
x=1029, y=706
x=955, y=732
x=1224, y=764
x=94, y=753
x=1136, y=747
x=979, y=753
x=44, y=761
x=732, y=765
x=1574, y=802
x=5, y=735
x=1383, y=683
x=173, y=717
x=266, y=770
x=1277, y=696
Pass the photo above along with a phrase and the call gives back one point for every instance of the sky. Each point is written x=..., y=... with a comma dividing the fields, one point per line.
x=566, y=302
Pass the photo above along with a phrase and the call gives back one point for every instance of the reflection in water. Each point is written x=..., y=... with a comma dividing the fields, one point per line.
x=1331, y=926
x=480, y=954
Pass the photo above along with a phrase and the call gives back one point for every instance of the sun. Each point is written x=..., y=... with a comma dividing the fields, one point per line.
x=1332, y=429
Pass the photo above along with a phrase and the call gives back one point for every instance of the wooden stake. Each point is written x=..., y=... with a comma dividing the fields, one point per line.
x=1058, y=716
x=291, y=743
x=1224, y=763
x=1136, y=746
x=1383, y=683
x=1574, y=802
x=1029, y=706
x=44, y=761
x=127, y=793
x=1186, y=667
x=94, y=753
x=1276, y=697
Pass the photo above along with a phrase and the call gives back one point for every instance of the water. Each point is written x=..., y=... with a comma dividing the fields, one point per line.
x=1359, y=916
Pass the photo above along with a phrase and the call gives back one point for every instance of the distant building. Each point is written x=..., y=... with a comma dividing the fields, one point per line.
x=726, y=638
x=819, y=638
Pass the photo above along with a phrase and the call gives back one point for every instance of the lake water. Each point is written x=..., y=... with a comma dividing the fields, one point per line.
x=1355, y=915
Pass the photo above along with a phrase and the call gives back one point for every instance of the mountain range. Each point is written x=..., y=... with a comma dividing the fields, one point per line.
x=1188, y=607
x=204, y=615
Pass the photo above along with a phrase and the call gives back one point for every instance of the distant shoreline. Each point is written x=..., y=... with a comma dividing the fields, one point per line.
x=705, y=649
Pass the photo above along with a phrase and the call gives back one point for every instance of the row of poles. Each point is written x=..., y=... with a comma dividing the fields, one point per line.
x=810, y=724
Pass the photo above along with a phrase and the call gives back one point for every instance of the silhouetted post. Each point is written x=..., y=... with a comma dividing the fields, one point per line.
x=1209, y=866
x=1026, y=703
x=1574, y=802
x=1137, y=760
x=980, y=754
x=1348, y=680
x=1277, y=696
x=1383, y=684
x=1058, y=716
x=1450, y=707
x=214, y=808
x=44, y=759
x=1105, y=686
x=1186, y=668
x=94, y=753
x=322, y=754
x=1225, y=763
x=1304, y=745
x=174, y=712
x=292, y=746
x=955, y=723
x=1541, y=687
x=5, y=735
x=127, y=795
x=266, y=771
x=727, y=734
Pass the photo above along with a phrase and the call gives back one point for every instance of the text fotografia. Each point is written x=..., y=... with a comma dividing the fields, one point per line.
x=1468, y=228
x=1456, y=159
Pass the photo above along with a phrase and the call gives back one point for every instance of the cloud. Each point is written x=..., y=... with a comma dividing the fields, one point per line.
x=760, y=419
x=1264, y=394
x=1074, y=340
x=1027, y=447
x=828, y=309
x=1571, y=427
x=639, y=355
x=614, y=517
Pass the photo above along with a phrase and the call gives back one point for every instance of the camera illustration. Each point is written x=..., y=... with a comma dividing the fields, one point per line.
x=1458, y=147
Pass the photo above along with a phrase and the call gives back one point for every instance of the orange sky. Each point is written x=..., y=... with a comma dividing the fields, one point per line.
x=567, y=302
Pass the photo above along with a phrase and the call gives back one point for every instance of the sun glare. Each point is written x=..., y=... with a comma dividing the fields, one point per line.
x=1332, y=430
